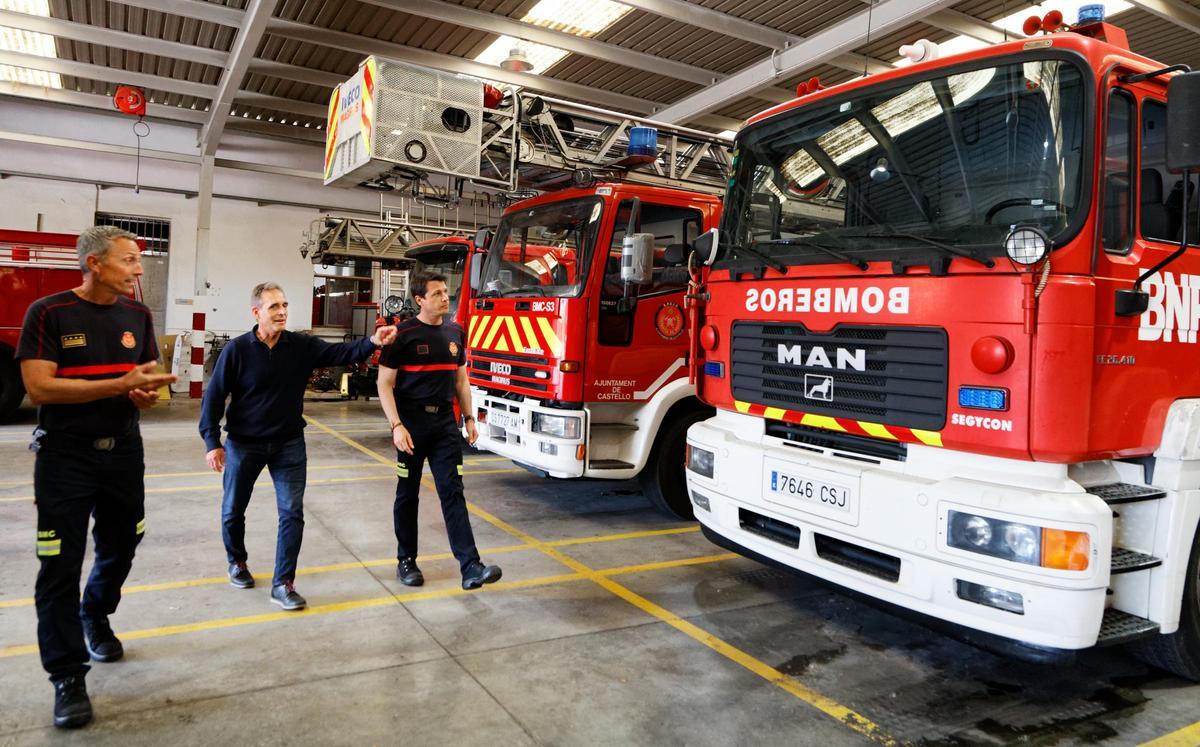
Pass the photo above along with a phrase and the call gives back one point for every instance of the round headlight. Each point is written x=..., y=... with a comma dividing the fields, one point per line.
x=1027, y=245
x=1022, y=540
x=978, y=531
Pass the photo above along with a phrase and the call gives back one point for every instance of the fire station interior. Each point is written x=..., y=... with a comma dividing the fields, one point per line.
x=613, y=211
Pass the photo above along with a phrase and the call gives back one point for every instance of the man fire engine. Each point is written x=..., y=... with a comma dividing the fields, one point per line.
x=951, y=338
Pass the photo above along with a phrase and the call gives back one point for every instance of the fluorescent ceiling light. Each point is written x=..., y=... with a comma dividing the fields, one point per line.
x=28, y=42
x=584, y=18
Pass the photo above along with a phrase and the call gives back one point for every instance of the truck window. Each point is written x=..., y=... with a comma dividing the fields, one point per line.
x=1161, y=196
x=674, y=228
x=1117, y=210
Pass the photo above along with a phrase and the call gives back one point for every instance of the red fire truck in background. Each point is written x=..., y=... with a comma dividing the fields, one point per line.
x=32, y=265
x=950, y=334
x=578, y=339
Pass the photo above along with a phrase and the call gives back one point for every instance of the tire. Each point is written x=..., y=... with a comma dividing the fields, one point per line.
x=663, y=481
x=12, y=390
x=1179, y=652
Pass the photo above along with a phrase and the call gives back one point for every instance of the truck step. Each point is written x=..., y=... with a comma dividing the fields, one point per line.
x=1123, y=492
x=609, y=464
x=1122, y=627
x=1128, y=561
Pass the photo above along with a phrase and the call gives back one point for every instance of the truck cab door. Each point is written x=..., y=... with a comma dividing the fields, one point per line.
x=641, y=332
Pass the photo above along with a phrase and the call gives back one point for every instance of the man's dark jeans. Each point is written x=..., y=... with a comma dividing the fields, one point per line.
x=287, y=462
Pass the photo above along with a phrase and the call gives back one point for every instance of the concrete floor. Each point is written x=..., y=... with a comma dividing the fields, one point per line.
x=611, y=626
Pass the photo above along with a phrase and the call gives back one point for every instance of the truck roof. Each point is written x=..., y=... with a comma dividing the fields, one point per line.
x=1096, y=52
x=624, y=188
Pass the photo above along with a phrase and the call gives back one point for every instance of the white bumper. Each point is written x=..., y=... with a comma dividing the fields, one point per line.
x=514, y=437
x=899, y=515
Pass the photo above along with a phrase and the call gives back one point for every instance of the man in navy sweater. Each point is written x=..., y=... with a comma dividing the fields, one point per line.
x=264, y=374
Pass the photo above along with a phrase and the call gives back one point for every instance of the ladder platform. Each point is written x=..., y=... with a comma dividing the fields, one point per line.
x=1123, y=492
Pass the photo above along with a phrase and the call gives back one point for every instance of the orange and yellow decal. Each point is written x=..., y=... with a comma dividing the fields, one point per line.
x=368, y=102
x=842, y=425
x=514, y=334
x=331, y=133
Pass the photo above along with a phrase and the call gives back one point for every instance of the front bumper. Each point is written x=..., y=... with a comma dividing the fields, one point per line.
x=515, y=439
x=890, y=544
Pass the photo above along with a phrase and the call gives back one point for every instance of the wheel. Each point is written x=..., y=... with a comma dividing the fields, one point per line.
x=1179, y=652
x=662, y=478
x=12, y=390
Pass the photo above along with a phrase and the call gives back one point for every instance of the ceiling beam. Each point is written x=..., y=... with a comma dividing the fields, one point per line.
x=1173, y=11
x=739, y=28
x=967, y=25
x=156, y=111
x=258, y=13
x=198, y=9
x=841, y=37
x=107, y=75
x=296, y=73
x=123, y=40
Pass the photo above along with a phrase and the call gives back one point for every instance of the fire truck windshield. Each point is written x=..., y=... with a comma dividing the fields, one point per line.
x=944, y=166
x=543, y=250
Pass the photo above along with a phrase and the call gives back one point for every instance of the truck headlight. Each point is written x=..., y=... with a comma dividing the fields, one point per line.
x=1018, y=542
x=559, y=426
x=700, y=461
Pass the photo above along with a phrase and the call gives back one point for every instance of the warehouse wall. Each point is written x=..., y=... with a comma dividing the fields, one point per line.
x=251, y=239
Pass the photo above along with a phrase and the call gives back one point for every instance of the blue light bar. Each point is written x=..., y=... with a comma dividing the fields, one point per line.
x=715, y=369
x=981, y=398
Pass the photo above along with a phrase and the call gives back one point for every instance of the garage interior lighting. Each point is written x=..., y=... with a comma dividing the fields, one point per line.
x=584, y=18
x=28, y=42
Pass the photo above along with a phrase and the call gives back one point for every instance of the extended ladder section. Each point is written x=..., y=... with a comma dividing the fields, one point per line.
x=394, y=122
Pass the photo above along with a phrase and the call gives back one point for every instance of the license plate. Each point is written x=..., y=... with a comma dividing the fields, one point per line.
x=506, y=420
x=830, y=496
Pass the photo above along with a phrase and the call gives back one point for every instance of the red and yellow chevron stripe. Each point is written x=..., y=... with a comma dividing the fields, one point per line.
x=331, y=124
x=514, y=334
x=368, y=102
x=842, y=425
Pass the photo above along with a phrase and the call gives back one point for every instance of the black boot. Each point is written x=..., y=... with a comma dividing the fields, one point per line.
x=408, y=572
x=477, y=574
x=72, y=707
x=102, y=644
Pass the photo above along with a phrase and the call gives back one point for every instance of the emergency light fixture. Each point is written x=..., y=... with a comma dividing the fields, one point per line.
x=1026, y=245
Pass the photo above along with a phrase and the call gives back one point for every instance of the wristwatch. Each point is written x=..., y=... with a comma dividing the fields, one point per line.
x=468, y=417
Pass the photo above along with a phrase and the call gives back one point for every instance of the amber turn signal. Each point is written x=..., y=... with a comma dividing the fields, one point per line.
x=1065, y=550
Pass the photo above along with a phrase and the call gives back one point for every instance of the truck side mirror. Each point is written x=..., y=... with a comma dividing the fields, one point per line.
x=476, y=261
x=637, y=258
x=482, y=237
x=1183, y=155
x=1183, y=112
x=705, y=246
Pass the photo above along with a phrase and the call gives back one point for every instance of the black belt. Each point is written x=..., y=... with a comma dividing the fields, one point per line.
x=431, y=408
x=104, y=443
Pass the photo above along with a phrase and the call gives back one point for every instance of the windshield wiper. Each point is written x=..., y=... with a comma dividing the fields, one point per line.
x=832, y=252
x=957, y=251
x=531, y=290
x=767, y=259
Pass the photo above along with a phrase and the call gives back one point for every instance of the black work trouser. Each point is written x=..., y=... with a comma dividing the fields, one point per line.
x=435, y=437
x=72, y=482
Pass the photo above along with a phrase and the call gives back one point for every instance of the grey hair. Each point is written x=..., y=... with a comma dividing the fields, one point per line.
x=95, y=242
x=261, y=288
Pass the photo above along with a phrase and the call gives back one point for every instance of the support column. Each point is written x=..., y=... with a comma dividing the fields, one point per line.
x=196, y=373
x=201, y=284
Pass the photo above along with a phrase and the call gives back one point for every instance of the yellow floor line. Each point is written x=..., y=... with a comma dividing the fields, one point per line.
x=1188, y=736
x=334, y=567
x=847, y=716
x=415, y=596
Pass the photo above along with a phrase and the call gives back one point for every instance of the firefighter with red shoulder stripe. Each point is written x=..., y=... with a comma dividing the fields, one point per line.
x=87, y=359
x=419, y=376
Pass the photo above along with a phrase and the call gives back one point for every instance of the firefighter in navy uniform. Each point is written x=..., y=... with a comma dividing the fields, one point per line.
x=419, y=376
x=87, y=359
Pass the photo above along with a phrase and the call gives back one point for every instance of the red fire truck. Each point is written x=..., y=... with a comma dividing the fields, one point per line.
x=951, y=336
x=449, y=256
x=32, y=265
x=579, y=369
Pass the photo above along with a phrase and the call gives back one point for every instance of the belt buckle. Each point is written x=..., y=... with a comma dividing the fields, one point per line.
x=432, y=409
x=104, y=444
